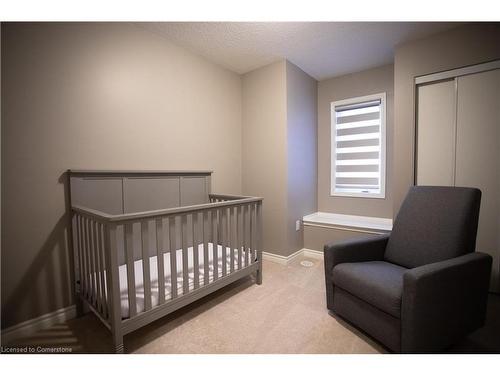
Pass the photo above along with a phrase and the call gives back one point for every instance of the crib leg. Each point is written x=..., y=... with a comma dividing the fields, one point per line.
x=79, y=306
x=259, y=275
x=118, y=343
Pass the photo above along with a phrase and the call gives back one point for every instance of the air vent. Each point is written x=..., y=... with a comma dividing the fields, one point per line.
x=306, y=263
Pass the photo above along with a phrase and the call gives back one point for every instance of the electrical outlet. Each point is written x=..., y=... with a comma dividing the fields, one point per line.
x=297, y=225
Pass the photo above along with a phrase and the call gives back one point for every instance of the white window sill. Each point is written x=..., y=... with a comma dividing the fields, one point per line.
x=348, y=221
x=358, y=195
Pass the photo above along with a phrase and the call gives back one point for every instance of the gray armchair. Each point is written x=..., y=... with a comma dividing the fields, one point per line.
x=422, y=287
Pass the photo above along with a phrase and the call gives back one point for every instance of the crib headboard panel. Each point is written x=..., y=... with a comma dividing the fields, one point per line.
x=119, y=192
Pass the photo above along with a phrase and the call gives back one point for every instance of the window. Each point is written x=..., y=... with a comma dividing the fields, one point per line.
x=358, y=147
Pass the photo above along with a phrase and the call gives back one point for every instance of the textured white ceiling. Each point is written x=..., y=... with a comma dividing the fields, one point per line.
x=321, y=49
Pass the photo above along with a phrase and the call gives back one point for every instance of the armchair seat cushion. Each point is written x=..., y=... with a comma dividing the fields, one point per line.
x=378, y=283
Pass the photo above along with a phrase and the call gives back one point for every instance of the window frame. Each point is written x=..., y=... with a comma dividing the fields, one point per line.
x=383, y=140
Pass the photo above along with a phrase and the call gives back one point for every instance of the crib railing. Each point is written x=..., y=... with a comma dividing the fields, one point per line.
x=232, y=222
x=215, y=198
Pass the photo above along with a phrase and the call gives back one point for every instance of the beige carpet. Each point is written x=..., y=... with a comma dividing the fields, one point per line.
x=286, y=314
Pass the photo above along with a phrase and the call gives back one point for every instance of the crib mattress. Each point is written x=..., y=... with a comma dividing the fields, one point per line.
x=153, y=269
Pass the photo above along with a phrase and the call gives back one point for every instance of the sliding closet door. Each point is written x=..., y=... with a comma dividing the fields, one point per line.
x=478, y=155
x=436, y=133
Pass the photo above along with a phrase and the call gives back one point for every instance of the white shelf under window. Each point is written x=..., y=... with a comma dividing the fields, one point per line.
x=364, y=223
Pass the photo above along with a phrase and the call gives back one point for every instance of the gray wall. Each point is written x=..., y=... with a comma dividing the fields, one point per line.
x=279, y=143
x=265, y=148
x=367, y=82
x=97, y=96
x=302, y=135
x=465, y=45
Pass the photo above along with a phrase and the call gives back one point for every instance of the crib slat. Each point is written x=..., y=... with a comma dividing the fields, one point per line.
x=231, y=238
x=223, y=223
x=244, y=236
x=205, y=226
x=253, y=233
x=112, y=276
x=129, y=256
x=88, y=271
x=85, y=251
x=81, y=266
x=196, y=261
x=104, y=300
x=159, y=258
x=259, y=242
x=248, y=248
x=215, y=244
x=185, y=274
x=145, y=264
x=87, y=259
x=246, y=231
x=84, y=258
x=76, y=251
x=97, y=266
x=173, y=256
x=239, y=239
x=227, y=225
x=92, y=262
x=78, y=272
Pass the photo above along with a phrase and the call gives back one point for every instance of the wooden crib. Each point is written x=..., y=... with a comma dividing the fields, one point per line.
x=148, y=243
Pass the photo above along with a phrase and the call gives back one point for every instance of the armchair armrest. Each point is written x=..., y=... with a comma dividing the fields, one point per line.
x=444, y=301
x=358, y=250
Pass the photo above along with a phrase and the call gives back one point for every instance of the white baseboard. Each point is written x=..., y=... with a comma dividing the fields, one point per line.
x=31, y=326
x=286, y=260
x=281, y=259
x=317, y=254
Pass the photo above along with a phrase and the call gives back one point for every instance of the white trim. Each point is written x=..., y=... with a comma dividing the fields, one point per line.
x=32, y=326
x=280, y=259
x=357, y=230
x=348, y=222
x=382, y=154
x=317, y=254
x=472, y=69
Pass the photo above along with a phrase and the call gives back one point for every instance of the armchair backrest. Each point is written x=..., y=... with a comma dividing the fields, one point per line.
x=434, y=223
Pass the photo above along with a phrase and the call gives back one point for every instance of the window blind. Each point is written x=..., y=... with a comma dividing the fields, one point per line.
x=357, y=148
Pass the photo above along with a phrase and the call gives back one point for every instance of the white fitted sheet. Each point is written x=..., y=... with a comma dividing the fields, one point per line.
x=153, y=269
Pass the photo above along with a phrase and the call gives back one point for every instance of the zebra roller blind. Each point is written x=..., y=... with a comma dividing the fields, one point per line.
x=358, y=147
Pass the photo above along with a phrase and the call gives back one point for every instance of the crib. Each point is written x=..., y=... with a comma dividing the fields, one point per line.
x=147, y=243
